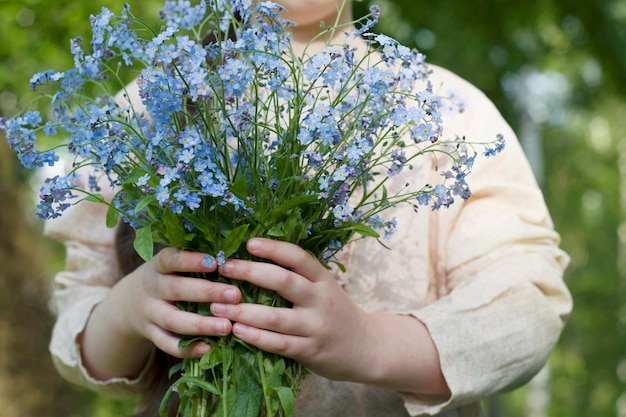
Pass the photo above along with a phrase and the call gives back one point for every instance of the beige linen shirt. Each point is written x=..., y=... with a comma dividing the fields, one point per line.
x=485, y=277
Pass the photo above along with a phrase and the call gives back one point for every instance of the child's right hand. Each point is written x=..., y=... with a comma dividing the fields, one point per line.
x=155, y=289
x=140, y=313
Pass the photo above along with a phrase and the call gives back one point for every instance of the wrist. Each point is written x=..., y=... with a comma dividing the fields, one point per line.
x=402, y=356
x=110, y=345
x=121, y=309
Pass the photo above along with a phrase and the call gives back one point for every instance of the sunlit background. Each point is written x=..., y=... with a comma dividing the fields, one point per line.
x=555, y=68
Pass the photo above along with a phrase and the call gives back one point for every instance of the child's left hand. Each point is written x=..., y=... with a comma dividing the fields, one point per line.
x=325, y=330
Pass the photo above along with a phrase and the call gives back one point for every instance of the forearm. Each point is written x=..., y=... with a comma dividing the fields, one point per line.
x=402, y=357
x=109, y=346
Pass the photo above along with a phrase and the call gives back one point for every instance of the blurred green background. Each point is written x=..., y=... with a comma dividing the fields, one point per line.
x=555, y=68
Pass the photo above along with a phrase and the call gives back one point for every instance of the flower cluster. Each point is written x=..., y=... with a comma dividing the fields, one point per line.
x=234, y=136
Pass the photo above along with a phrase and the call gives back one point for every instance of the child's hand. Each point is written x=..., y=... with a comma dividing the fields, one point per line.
x=140, y=313
x=154, y=291
x=325, y=330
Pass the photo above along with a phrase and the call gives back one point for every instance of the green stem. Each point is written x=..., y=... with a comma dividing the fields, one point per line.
x=194, y=411
x=268, y=405
x=205, y=403
x=198, y=405
x=225, y=380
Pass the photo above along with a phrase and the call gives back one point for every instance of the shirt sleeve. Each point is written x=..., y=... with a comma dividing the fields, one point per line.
x=502, y=302
x=90, y=272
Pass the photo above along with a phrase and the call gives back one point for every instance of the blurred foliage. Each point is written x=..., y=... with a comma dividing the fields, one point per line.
x=557, y=71
x=35, y=36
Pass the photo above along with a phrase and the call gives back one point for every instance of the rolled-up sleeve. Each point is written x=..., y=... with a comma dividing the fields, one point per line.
x=503, y=303
x=90, y=272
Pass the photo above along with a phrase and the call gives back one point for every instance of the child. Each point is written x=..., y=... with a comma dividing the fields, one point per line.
x=468, y=302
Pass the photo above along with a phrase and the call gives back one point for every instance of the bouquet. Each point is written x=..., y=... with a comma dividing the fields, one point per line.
x=235, y=136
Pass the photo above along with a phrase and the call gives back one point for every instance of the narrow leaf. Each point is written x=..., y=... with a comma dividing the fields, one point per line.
x=174, y=369
x=205, y=385
x=144, y=202
x=364, y=230
x=240, y=188
x=187, y=340
x=113, y=216
x=95, y=198
x=275, y=377
x=234, y=239
x=294, y=202
x=143, y=243
x=165, y=401
x=276, y=232
x=287, y=399
x=175, y=231
x=134, y=175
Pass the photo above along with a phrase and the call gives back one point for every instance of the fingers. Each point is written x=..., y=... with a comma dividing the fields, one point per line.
x=290, y=332
x=177, y=288
x=171, y=260
x=289, y=256
x=163, y=323
x=169, y=343
x=169, y=323
x=285, y=345
x=291, y=274
x=164, y=283
x=183, y=322
x=279, y=320
x=288, y=284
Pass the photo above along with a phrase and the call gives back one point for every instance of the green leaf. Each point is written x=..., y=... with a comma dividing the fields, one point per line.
x=113, y=216
x=247, y=394
x=275, y=377
x=296, y=228
x=205, y=385
x=206, y=228
x=143, y=244
x=228, y=357
x=287, y=399
x=294, y=202
x=276, y=232
x=364, y=230
x=165, y=401
x=212, y=358
x=134, y=175
x=240, y=188
x=187, y=340
x=234, y=239
x=175, y=231
x=144, y=202
x=95, y=198
x=341, y=266
x=175, y=368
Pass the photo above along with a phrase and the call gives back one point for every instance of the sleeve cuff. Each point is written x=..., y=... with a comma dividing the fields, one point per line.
x=67, y=356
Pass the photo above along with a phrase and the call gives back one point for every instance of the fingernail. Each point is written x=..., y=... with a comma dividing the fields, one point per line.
x=239, y=329
x=218, y=308
x=254, y=244
x=230, y=295
x=221, y=328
